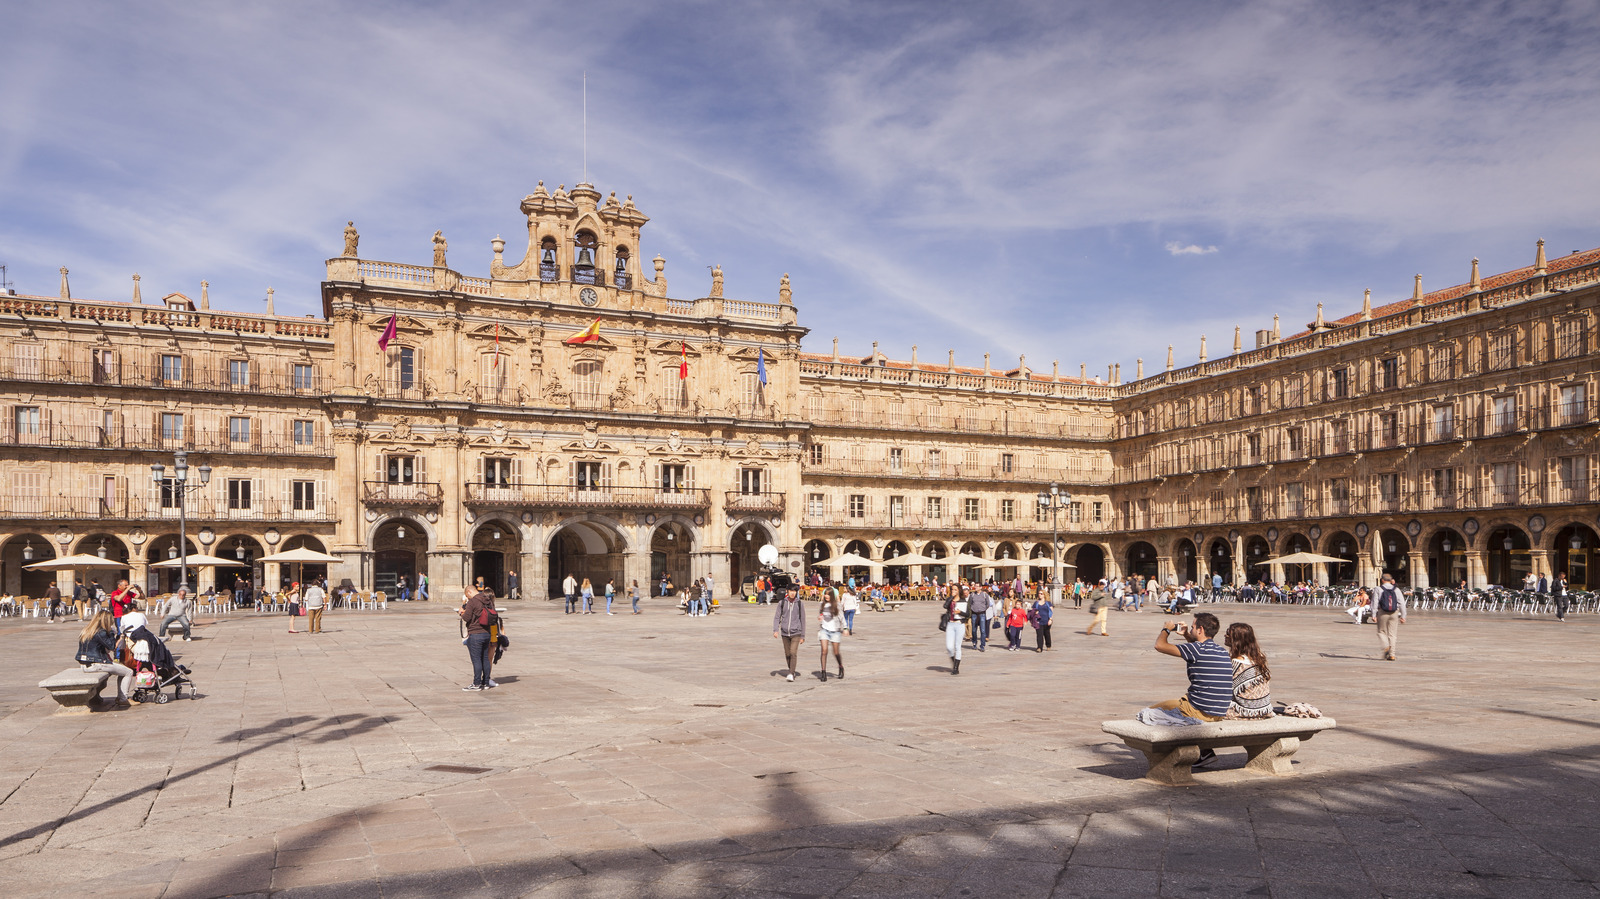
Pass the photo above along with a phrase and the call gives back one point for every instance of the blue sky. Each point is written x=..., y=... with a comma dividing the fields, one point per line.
x=1083, y=182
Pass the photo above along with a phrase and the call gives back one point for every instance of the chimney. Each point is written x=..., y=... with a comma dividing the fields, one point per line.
x=66, y=292
x=205, y=294
x=136, y=297
x=1538, y=262
x=1476, y=283
x=1366, y=305
x=1263, y=338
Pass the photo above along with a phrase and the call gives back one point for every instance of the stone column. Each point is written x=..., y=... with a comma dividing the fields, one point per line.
x=1319, y=574
x=535, y=562
x=452, y=352
x=347, y=541
x=449, y=562
x=1366, y=572
x=271, y=576
x=1477, y=579
x=1541, y=564
x=1165, y=572
x=1417, y=567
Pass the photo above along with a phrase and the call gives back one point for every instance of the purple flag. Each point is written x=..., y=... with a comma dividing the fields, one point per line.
x=388, y=334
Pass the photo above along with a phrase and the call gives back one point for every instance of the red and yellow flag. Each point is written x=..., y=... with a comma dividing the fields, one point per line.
x=683, y=361
x=587, y=334
x=496, y=346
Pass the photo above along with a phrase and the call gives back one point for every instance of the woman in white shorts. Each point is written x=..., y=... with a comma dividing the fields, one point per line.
x=832, y=628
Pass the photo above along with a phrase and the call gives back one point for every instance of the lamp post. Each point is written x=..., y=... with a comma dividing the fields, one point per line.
x=180, y=490
x=1054, y=499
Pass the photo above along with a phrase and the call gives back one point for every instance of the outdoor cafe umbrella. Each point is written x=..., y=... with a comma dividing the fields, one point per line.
x=300, y=556
x=966, y=560
x=1303, y=558
x=198, y=560
x=912, y=559
x=850, y=559
x=79, y=561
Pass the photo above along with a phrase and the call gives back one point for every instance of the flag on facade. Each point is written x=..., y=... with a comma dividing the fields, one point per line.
x=761, y=366
x=388, y=333
x=683, y=361
x=587, y=334
x=496, y=346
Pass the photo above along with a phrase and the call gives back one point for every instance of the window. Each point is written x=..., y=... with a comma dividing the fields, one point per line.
x=238, y=429
x=1389, y=373
x=493, y=367
x=969, y=509
x=305, y=432
x=897, y=413
x=171, y=426
x=1573, y=474
x=588, y=476
x=971, y=461
x=1339, y=496
x=1099, y=513
x=935, y=507
x=169, y=493
x=304, y=496
x=816, y=505
x=238, y=373
x=172, y=368
x=675, y=478
x=1444, y=422
x=1388, y=429
x=401, y=469
x=858, y=408
x=1293, y=392
x=858, y=505
x=1388, y=491
x=897, y=458
x=675, y=390
x=1441, y=363
x=1294, y=498
x=1297, y=441
x=972, y=418
x=1252, y=501
x=27, y=421
x=897, y=510
x=1253, y=444
x=238, y=493
x=1338, y=383
x=1008, y=463
x=1444, y=488
x=1504, y=418
x=1180, y=414
x=1252, y=400
x=1503, y=479
x=496, y=472
x=855, y=454
x=1502, y=350
x=816, y=453
x=1008, y=510
x=1074, y=513
x=26, y=356
x=586, y=383
x=934, y=461
x=406, y=368
x=105, y=366
x=1570, y=338
x=1339, y=435
x=302, y=377
x=814, y=406
x=750, y=480
x=752, y=388
x=1574, y=405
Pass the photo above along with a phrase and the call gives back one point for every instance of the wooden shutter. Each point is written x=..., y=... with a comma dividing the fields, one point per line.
x=420, y=467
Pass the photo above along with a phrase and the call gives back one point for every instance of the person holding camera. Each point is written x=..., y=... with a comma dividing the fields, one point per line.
x=1210, y=669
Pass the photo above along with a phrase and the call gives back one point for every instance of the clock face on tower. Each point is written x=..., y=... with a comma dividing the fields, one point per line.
x=588, y=296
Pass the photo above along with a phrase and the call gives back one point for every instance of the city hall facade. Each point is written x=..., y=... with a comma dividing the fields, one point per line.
x=1443, y=438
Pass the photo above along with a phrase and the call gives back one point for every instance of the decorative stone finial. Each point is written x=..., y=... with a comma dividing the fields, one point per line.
x=1169, y=357
x=1276, y=334
x=136, y=297
x=1140, y=370
x=1083, y=371
x=351, y=239
x=1116, y=373
x=1416, y=288
x=1366, y=305
x=1055, y=369
x=205, y=294
x=269, y=302
x=952, y=360
x=498, y=246
x=660, y=264
x=1476, y=283
x=1319, y=324
x=66, y=292
x=986, y=363
x=1238, y=342
x=1538, y=262
x=913, y=354
x=1202, y=348
x=785, y=295
x=1111, y=374
x=874, y=356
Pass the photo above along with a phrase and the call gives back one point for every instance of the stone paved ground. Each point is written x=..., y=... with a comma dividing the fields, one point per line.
x=661, y=756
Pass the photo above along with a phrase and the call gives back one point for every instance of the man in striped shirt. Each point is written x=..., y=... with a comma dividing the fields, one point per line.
x=1210, y=669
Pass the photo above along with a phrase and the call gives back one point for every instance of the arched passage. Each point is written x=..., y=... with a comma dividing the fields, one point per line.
x=892, y=572
x=1393, y=550
x=1447, y=559
x=1188, y=562
x=243, y=550
x=165, y=549
x=1574, y=553
x=1344, y=546
x=399, y=550
x=1091, y=562
x=744, y=546
x=1507, y=557
x=586, y=549
x=818, y=552
x=1040, y=566
x=936, y=550
x=1256, y=553
x=496, y=549
x=1220, y=559
x=670, y=546
x=1142, y=560
x=1294, y=574
x=110, y=548
x=21, y=551
x=1006, y=552
x=859, y=572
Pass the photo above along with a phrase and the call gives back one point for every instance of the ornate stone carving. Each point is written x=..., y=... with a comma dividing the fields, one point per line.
x=716, y=281
x=351, y=238
x=440, y=245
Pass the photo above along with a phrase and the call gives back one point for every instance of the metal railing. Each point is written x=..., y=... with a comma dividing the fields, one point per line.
x=416, y=493
x=212, y=375
x=560, y=496
x=80, y=436
x=740, y=501
x=16, y=505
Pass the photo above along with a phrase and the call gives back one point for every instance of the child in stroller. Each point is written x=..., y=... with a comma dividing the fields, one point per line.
x=155, y=669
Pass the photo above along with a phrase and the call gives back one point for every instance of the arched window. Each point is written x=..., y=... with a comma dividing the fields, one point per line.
x=549, y=268
x=583, y=267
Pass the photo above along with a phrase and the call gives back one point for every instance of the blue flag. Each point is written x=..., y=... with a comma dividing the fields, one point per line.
x=761, y=366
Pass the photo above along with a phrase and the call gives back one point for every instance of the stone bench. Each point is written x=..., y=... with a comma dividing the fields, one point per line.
x=1270, y=743
x=75, y=689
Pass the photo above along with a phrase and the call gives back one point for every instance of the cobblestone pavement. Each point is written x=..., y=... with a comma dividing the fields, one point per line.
x=664, y=756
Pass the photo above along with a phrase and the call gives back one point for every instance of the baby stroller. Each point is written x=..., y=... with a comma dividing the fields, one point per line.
x=156, y=670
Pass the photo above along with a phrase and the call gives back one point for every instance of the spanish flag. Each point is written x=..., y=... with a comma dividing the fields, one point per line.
x=683, y=361
x=587, y=334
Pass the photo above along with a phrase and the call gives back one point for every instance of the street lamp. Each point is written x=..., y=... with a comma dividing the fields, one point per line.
x=1054, y=499
x=180, y=492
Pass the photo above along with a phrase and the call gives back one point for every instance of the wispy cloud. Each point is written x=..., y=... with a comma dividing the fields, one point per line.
x=1178, y=248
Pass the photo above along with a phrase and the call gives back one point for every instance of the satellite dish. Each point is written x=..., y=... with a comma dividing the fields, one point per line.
x=768, y=554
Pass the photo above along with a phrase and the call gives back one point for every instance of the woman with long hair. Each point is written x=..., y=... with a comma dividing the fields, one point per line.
x=831, y=617
x=588, y=597
x=97, y=651
x=1252, y=680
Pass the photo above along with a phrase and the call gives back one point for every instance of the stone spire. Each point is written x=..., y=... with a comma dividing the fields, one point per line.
x=1416, y=288
x=1083, y=371
x=1055, y=369
x=1366, y=305
x=1140, y=369
x=1319, y=324
x=986, y=364
x=1238, y=345
x=913, y=355
x=1169, y=357
x=205, y=294
x=1116, y=373
x=1111, y=374
x=1202, y=348
x=269, y=302
x=836, y=349
x=1276, y=334
x=1538, y=261
x=1476, y=283
x=137, y=298
x=66, y=292
x=952, y=360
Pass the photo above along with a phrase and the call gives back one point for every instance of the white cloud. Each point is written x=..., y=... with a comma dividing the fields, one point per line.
x=1177, y=248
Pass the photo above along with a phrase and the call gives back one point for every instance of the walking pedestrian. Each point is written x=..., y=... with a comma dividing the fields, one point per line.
x=611, y=594
x=1558, y=589
x=587, y=591
x=1015, y=619
x=422, y=587
x=569, y=587
x=666, y=585
x=954, y=620
x=402, y=589
x=1043, y=612
x=850, y=603
x=789, y=625
x=979, y=605
x=52, y=603
x=294, y=605
x=513, y=586
x=831, y=618
x=316, y=598
x=478, y=613
x=633, y=594
x=1097, y=608
x=1391, y=611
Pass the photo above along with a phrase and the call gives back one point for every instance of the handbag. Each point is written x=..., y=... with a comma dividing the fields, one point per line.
x=944, y=620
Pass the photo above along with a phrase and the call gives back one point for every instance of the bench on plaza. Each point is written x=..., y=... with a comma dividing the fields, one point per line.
x=76, y=690
x=1171, y=751
x=893, y=605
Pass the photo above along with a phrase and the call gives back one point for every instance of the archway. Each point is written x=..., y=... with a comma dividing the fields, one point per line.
x=670, y=546
x=589, y=549
x=940, y=573
x=23, y=550
x=1447, y=559
x=1507, y=556
x=1576, y=547
x=399, y=549
x=165, y=549
x=859, y=572
x=1294, y=574
x=308, y=571
x=1041, y=568
x=1188, y=562
x=110, y=548
x=1142, y=560
x=1006, y=552
x=971, y=573
x=893, y=573
x=1091, y=562
x=245, y=574
x=743, y=548
x=496, y=553
x=1256, y=553
x=818, y=552
x=1344, y=546
x=1220, y=559
x=1393, y=549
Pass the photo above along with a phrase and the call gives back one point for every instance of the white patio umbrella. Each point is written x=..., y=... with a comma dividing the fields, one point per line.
x=966, y=560
x=913, y=559
x=199, y=561
x=1303, y=558
x=299, y=557
x=851, y=559
x=75, y=562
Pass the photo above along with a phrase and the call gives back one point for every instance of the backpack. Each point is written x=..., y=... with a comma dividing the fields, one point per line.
x=1389, y=600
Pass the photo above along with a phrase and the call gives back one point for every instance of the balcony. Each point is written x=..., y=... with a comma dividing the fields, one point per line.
x=75, y=436
x=570, y=496
x=588, y=274
x=200, y=508
x=738, y=501
x=416, y=493
x=209, y=375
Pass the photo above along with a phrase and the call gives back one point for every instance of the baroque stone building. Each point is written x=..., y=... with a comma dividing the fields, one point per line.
x=1444, y=437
